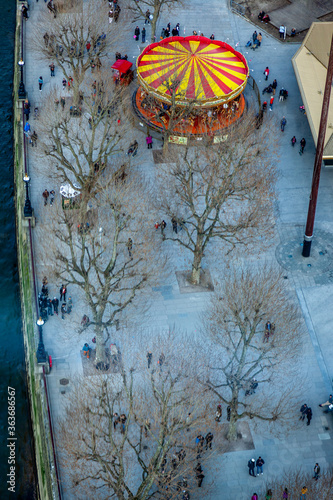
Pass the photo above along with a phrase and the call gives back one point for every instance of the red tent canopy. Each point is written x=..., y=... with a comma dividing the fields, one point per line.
x=209, y=72
x=122, y=65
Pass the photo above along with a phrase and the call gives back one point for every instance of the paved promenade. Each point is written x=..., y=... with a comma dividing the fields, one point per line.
x=299, y=446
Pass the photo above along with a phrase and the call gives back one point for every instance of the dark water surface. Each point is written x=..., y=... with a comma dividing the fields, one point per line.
x=12, y=364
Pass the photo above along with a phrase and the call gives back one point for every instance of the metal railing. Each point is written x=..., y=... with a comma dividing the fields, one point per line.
x=236, y=7
x=21, y=94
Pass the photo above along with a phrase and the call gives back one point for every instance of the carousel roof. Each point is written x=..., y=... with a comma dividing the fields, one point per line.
x=208, y=72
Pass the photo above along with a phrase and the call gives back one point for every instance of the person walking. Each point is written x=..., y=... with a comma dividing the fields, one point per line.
x=174, y=225
x=251, y=464
x=55, y=303
x=86, y=350
x=254, y=496
x=26, y=130
x=303, y=411
x=199, y=474
x=266, y=73
x=116, y=420
x=285, y=494
x=302, y=144
x=63, y=310
x=46, y=38
x=283, y=123
x=149, y=141
x=254, y=37
x=293, y=141
x=163, y=226
x=137, y=33
x=271, y=102
x=69, y=305
x=308, y=415
x=34, y=138
x=209, y=439
x=26, y=109
x=199, y=441
x=52, y=69
x=274, y=85
x=129, y=245
x=160, y=361
x=63, y=292
x=40, y=83
x=259, y=39
x=45, y=195
x=123, y=419
x=49, y=307
x=149, y=357
x=303, y=493
x=269, y=495
x=147, y=17
x=260, y=462
x=143, y=35
x=218, y=413
x=316, y=471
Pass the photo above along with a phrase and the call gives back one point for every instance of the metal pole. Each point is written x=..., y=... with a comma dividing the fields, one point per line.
x=41, y=354
x=27, y=210
x=319, y=158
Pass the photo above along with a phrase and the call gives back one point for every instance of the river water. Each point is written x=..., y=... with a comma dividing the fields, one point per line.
x=12, y=364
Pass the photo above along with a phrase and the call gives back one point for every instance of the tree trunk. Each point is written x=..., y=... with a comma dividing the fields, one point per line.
x=232, y=431
x=153, y=28
x=101, y=361
x=198, y=254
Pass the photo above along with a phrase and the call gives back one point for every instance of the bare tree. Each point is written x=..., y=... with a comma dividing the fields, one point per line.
x=148, y=454
x=255, y=329
x=80, y=139
x=223, y=191
x=155, y=7
x=295, y=480
x=106, y=251
x=67, y=37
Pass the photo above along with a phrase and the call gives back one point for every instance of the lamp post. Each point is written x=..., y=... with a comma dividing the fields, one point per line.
x=21, y=89
x=27, y=210
x=41, y=354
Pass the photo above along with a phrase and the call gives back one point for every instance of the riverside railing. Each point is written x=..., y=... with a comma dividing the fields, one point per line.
x=42, y=357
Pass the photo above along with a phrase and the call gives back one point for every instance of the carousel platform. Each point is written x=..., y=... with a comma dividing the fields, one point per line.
x=212, y=122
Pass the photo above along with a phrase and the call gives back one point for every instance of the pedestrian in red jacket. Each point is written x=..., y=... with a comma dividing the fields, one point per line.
x=271, y=102
x=266, y=73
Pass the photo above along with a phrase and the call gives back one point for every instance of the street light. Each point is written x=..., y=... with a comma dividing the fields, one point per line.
x=41, y=354
x=27, y=210
x=21, y=89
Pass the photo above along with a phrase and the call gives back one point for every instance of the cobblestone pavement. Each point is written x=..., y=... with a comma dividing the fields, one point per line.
x=300, y=446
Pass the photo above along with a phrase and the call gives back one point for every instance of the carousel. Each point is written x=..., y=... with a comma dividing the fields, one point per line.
x=197, y=80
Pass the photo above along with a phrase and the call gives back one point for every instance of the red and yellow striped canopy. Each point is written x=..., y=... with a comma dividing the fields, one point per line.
x=203, y=71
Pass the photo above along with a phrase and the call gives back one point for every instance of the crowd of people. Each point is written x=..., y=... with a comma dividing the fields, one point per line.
x=48, y=307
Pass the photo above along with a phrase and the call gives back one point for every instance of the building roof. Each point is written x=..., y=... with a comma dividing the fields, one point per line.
x=310, y=65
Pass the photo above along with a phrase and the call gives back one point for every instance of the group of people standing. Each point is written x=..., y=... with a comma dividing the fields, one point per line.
x=49, y=307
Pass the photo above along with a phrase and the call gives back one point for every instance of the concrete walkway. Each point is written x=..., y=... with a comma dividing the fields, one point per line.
x=301, y=446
